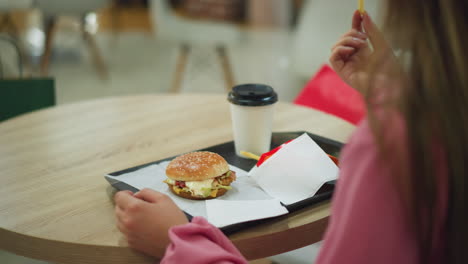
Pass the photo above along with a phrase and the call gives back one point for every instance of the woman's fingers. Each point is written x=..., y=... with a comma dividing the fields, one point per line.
x=375, y=35
x=125, y=199
x=122, y=228
x=357, y=21
x=350, y=42
x=119, y=213
x=150, y=196
x=342, y=52
x=122, y=199
x=356, y=34
x=120, y=219
x=340, y=55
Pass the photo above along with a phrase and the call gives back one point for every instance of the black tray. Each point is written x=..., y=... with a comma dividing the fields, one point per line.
x=226, y=150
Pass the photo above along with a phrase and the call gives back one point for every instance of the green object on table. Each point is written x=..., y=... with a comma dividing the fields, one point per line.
x=20, y=96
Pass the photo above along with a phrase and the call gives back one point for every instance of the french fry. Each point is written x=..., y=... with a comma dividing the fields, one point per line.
x=361, y=6
x=255, y=157
x=249, y=155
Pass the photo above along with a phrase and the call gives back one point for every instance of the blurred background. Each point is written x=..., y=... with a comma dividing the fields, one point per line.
x=102, y=48
x=97, y=48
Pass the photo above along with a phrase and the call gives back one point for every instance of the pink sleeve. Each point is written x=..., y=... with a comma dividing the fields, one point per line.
x=199, y=243
x=367, y=223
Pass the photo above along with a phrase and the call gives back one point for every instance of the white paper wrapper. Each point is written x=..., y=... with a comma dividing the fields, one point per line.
x=227, y=212
x=296, y=171
x=243, y=189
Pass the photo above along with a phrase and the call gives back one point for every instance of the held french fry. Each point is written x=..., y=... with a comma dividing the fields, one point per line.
x=249, y=155
x=361, y=6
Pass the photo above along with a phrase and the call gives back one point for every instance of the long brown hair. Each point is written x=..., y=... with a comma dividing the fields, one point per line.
x=434, y=104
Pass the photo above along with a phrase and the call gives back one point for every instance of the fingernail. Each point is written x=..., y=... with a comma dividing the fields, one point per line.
x=358, y=40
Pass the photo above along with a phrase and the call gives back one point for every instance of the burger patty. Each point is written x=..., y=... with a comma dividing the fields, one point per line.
x=226, y=181
x=221, y=180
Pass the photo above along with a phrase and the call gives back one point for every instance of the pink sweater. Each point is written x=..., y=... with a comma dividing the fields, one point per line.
x=367, y=223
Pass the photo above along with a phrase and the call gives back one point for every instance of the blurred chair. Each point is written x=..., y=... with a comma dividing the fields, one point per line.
x=11, y=57
x=52, y=9
x=25, y=95
x=11, y=31
x=189, y=32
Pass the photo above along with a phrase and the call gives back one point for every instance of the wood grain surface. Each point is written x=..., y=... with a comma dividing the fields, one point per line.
x=56, y=205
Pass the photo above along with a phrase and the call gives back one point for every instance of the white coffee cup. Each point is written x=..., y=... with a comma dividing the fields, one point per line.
x=252, y=108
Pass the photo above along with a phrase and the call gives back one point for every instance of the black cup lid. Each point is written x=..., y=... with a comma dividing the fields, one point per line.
x=252, y=95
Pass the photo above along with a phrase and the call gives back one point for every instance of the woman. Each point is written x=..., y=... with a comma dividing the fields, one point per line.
x=402, y=195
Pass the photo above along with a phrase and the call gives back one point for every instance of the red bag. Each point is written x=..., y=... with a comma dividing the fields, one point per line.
x=328, y=93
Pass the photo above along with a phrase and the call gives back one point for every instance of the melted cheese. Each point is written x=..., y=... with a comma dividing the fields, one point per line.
x=214, y=192
x=197, y=187
x=176, y=189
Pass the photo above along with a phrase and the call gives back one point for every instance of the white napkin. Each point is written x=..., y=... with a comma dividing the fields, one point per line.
x=244, y=188
x=223, y=213
x=296, y=171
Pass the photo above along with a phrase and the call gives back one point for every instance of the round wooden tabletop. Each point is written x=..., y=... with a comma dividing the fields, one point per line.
x=56, y=205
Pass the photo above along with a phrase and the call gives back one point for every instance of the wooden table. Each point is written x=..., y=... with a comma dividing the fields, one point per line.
x=56, y=206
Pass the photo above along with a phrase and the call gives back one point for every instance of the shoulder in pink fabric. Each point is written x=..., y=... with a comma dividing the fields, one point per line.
x=368, y=223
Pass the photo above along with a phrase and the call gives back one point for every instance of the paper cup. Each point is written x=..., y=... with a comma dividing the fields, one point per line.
x=252, y=108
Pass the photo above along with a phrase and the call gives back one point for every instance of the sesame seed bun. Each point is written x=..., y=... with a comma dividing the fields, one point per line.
x=197, y=166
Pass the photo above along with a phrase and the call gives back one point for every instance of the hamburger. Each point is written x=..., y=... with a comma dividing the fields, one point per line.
x=199, y=175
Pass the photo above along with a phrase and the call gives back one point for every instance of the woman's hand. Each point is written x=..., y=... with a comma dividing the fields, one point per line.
x=145, y=218
x=352, y=55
